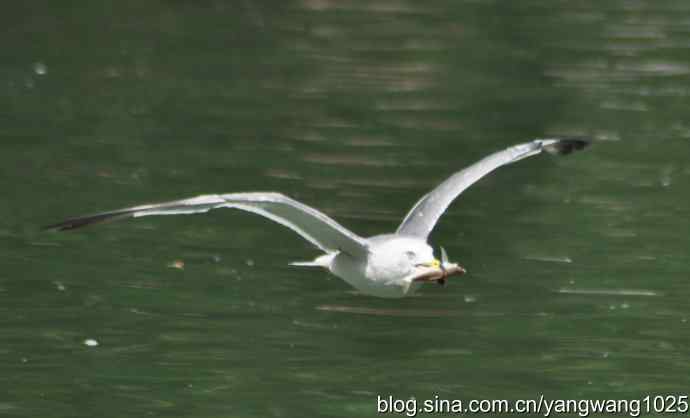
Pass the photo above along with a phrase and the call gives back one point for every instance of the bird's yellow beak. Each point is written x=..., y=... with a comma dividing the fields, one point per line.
x=435, y=264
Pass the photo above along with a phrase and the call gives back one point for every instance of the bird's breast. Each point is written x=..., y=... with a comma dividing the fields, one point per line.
x=360, y=275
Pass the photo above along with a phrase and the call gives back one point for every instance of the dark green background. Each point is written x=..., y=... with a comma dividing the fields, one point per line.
x=578, y=267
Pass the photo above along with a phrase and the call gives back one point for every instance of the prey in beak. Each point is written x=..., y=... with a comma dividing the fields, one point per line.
x=438, y=271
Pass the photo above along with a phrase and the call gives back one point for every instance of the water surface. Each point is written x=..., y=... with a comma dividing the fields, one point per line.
x=578, y=277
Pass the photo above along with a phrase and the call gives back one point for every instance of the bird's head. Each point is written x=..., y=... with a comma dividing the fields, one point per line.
x=410, y=260
x=438, y=270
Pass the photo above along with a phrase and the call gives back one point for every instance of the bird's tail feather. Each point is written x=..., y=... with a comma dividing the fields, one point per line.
x=305, y=264
x=321, y=261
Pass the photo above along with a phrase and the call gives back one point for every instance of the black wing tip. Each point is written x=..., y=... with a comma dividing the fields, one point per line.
x=69, y=224
x=56, y=227
x=565, y=146
x=75, y=223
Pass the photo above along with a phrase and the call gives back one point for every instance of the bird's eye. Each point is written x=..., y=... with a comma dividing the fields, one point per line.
x=411, y=255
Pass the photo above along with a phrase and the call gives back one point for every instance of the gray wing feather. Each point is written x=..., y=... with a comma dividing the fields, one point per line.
x=311, y=224
x=422, y=218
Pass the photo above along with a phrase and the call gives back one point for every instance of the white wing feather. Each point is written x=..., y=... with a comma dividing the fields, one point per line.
x=311, y=224
x=424, y=215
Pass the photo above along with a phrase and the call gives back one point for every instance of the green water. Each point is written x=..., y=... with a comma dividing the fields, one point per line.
x=578, y=267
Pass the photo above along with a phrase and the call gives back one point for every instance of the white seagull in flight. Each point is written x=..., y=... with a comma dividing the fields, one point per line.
x=389, y=265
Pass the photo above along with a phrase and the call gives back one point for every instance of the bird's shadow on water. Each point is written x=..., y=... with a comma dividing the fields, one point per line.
x=392, y=312
x=420, y=305
x=474, y=318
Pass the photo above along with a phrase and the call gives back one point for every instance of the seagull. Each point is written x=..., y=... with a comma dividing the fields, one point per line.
x=388, y=265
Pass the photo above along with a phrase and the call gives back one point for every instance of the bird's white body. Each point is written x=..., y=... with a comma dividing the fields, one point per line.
x=391, y=265
x=390, y=268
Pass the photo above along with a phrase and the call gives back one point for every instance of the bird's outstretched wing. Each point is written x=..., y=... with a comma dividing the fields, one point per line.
x=425, y=213
x=312, y=225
